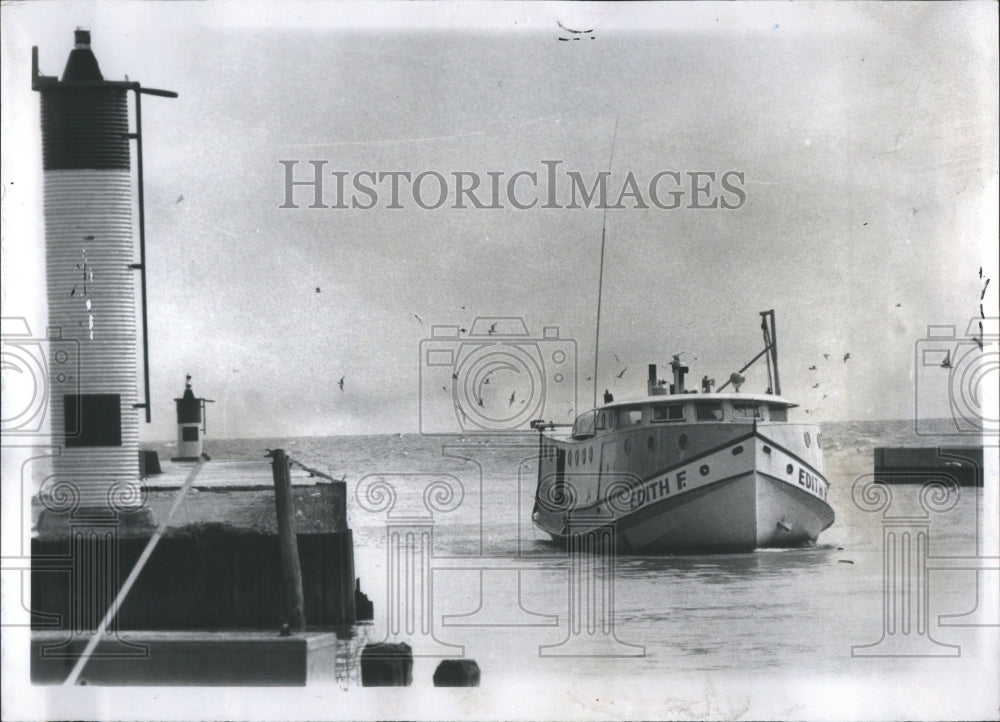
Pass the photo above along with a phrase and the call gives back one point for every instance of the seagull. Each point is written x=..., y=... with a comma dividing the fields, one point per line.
x=826, y=356
x=815, y=386
x=480, y=401
x=946, y=364
x=463, y=330
x=846, y=356
x=812, y=368
x=899, y=305
x=622, y=372
x=179, y=199
x=616, y=358
x=493, y=328
x=317, y=289
x=418, y=318
x=341, y=383
x=510, y=401
x=677, y=356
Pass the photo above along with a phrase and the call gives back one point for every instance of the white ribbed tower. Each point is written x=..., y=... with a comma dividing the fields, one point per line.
x=90, y=267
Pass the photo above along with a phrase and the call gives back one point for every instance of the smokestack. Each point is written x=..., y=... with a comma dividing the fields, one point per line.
x=653, y=385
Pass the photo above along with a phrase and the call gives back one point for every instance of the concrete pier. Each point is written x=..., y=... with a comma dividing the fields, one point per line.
x=212, y=588
x=902, y=465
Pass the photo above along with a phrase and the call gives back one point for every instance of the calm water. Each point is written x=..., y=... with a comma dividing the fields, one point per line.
x=788, y=611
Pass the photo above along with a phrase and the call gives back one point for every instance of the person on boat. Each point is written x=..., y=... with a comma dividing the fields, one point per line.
x=608, y=397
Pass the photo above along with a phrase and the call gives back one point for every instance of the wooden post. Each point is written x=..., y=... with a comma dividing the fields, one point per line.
x=291, y=571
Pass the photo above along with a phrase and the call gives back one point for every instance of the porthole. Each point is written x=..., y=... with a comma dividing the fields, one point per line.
x=808, y=439
x=818, y=445
x=737, y=451
x=682, y=441
x=651, y=443
x=767, y=449
x=788, y=469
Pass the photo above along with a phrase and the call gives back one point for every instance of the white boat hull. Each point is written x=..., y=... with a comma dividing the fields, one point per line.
x=746, y=494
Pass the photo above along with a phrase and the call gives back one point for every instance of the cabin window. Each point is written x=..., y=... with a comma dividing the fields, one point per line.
x=633, y=417
x=670, y=412
x=708, y=411
x=778, y=413
x=584, y=424
x=746, y=411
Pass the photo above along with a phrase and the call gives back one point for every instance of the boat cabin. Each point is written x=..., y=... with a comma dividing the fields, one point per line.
x=681, y=409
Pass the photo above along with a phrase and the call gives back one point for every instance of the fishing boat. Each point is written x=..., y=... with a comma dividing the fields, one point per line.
x=681, y=470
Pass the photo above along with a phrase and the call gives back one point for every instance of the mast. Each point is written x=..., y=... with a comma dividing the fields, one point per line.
x=774, y=352
x=770, y=351
x=600, y=278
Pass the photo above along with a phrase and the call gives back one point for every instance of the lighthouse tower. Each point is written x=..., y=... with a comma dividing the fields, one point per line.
x=90, y=275
x=190, y=424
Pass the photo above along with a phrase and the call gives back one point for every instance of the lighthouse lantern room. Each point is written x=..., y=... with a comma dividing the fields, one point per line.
x=191, y=425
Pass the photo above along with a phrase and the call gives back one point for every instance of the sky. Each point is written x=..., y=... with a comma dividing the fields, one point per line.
x=864, y=137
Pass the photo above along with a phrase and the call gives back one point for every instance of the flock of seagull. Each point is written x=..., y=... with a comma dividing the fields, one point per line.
x=946, y=363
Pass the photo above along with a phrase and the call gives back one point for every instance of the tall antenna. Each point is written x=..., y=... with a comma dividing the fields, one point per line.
x=600, y=278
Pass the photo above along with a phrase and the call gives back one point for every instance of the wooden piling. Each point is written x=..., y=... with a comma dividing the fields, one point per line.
x=291, y=571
